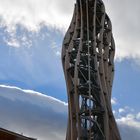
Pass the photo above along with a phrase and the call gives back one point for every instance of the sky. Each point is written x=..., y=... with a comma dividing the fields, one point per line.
x=43, y=117
x=31, y=35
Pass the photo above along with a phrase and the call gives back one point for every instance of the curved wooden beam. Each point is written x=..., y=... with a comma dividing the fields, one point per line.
x=88, y=62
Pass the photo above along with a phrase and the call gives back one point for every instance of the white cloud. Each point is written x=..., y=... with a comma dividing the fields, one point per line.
x=124, y=111
x=129, y=127
x=32, y=97
x=121, y=110
x=113, y=101
x=58, y=53
x=40, y=116
x=13, y=43
x=114, y=112
x=125, y=27
x=138, y=116
x=32, y=14
x=32, y=113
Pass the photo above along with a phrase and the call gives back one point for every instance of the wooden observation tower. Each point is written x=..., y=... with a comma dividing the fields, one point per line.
x=88, y=63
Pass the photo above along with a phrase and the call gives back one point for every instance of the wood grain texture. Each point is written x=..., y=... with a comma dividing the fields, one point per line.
x=88, y=62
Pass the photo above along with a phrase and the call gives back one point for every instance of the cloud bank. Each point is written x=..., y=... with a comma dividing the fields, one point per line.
x=129, y=127
x=45, y=118
x=32, y=14
x=124, y=16
x=32, y=114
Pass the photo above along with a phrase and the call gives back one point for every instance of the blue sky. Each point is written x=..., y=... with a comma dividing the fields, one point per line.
x=126, y=84
x=36, y=67
x=31, y=35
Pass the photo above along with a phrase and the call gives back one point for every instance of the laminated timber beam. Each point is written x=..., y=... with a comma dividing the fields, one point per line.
x=88, y=62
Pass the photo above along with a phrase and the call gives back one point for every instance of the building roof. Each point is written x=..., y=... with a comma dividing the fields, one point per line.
x=9, y=135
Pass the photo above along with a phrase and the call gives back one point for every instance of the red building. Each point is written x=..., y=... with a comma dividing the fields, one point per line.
x=9, y=135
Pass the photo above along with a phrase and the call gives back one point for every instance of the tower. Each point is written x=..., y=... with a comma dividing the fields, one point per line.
x=88, y=62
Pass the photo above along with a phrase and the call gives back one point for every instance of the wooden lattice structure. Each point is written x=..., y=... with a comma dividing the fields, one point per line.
x=88, y=63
